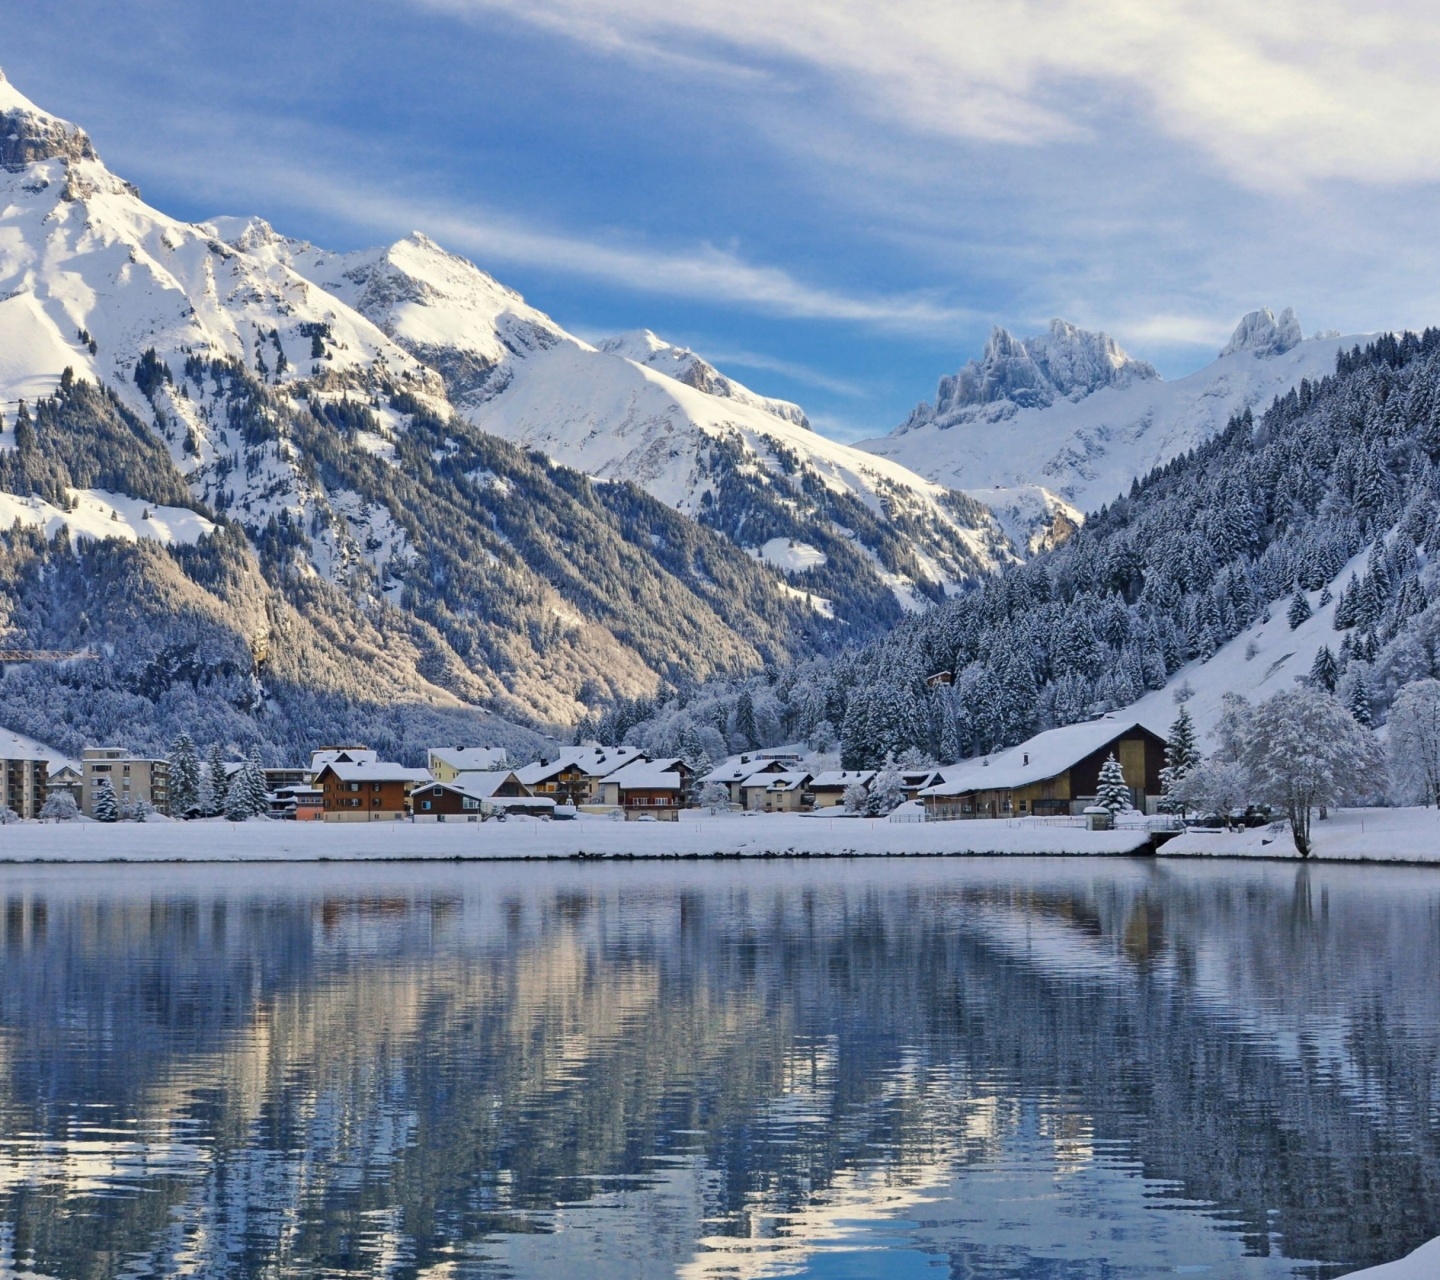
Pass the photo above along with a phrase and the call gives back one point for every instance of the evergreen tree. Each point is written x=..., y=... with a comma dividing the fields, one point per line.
x=1299, y=610
x=1112, y=794
x=215, y=791
x=1357, y=699
x=1182, y=756
x=745, y=727
x=184, y=776
x=107, y=809
x=1324, y=671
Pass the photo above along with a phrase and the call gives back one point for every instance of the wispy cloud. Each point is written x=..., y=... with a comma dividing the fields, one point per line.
x=703, y=273
x=801, y=373
x=1285, y=91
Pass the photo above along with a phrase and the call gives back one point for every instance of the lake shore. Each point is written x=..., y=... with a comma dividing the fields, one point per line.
x=1348, y=835
x=700, y=836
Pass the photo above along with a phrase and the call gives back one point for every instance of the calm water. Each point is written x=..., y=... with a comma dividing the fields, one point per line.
x=969, y=1068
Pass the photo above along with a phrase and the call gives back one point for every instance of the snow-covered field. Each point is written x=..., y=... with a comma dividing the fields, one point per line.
x=752, y=836
x=1366, y=835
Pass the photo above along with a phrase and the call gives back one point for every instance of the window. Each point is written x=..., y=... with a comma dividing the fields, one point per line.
x=374, y=786
x=470, y=803
x=426, y=805
x=352, y=786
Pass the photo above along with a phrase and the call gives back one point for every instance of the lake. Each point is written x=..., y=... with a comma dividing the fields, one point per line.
x=1058, y=1069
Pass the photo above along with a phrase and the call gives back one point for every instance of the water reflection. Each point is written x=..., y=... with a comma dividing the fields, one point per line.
x=964, y=1068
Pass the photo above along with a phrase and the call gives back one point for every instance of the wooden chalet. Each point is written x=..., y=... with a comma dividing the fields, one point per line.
x=648, y=788
x=1054, y=773
x=573, y=776
x=829, y=788
x=370, y=791
x=474, y=794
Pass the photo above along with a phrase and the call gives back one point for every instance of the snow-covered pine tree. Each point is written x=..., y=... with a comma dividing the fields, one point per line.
x=1357, y=698
x=214, y=792
x=1182, y=755
x=1324, y=671
x=1112, y=793
x=256, y=792
x=856, y=798
x=184, y=776
x=1299, y=610
x=107, y=808
x=238, y=805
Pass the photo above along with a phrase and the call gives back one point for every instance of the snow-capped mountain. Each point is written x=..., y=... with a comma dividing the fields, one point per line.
x=636, y=408
x=1069, y=416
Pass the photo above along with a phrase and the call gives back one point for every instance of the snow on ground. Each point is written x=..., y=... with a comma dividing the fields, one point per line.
x=1423, y=1264
x=1262, y=660
x=787, y=554
x=1369, y=835
x=16, y=746
x=700, y=835
x=99, y=514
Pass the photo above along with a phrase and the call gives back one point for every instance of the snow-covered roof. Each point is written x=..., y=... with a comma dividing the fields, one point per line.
x=842, y=778
x=374, y=771
x=649, y=775
x=468, y=759
x=352, y=755
x=594, y=762
x=1041, y=757
x=739, y=768
x=792, y=780
x=475, y=783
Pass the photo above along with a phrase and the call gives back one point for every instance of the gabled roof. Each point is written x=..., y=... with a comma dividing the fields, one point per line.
x=345, y=755
x=592, y=761
x=480, y=785
x=373, y=771
x=470, y=759
x=1042, y=757
x=842, y=778
x=794, y=780
x=738, y=768
x=649, y=775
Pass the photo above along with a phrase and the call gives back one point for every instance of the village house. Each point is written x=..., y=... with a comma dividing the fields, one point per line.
x=653, y=788
x=829, y=788
x=1056, y=772
x=66, y=778
x=133, y=779
x=299, y=802
x=574, y=774
x=467, y=798
x=366, y=791
x=787, y=792
x=446, y=764
x=737, y=770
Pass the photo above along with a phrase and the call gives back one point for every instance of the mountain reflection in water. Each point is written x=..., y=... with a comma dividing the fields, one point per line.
x=962, y=1068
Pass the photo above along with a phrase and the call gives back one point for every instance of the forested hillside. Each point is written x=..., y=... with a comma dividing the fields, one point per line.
x=1258, y=522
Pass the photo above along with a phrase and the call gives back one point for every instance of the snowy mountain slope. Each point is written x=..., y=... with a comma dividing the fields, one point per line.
x=1078, y=418
x=348, y=543
x=636, y=408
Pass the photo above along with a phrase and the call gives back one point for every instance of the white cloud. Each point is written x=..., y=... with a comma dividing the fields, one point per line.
x=1285, y=91
x=704, y=273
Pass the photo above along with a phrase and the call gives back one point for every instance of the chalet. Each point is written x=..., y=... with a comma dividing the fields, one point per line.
x=829, y=788
x=787, y=792
x=66, y=778
x=474, y=794
x=448, y=763
x=573, y=775
x=1056, y=772
x=366, y=791
x=737, y=770
x=914, y=781
x=654, y=788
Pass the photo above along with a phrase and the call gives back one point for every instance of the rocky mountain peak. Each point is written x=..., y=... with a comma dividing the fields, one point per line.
x=1263, y=335
x=1064, y=362
x=28, y=134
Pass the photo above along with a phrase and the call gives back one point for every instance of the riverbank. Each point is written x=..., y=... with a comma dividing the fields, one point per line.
x=1423, y=1264
x=697, y=836
x=1350, y=835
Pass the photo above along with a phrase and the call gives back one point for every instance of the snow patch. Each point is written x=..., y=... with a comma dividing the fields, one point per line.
x=98, y=514
x=789, y=555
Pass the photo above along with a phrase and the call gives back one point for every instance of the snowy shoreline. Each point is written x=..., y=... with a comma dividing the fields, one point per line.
x=1410, y=835
x=757, y=836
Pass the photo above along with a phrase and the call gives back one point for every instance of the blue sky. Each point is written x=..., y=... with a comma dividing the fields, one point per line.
x=835, y=201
